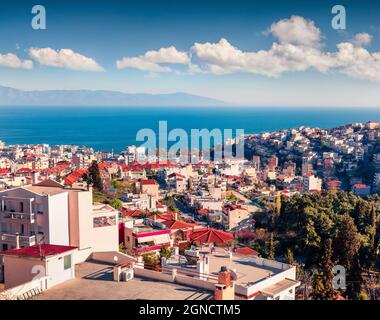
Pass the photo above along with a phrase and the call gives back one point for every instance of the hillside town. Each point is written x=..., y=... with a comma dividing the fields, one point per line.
x=73, y=216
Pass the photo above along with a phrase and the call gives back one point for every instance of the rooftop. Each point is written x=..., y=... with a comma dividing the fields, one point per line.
x=94, y=282
x=250, y=269
x=39, y=251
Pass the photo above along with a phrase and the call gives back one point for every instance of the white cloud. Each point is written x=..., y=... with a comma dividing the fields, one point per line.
x=151, y=60
x=296, y=30
x=299, y=48
x=358, y=62
x=64, y=58
x=362, y=39
x=224, y=58
x=10, y=60
x=141, y=64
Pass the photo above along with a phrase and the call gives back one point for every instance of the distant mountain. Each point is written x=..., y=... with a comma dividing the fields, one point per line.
x=12, y=97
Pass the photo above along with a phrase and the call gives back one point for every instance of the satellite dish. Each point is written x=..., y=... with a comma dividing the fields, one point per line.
x=233, y=275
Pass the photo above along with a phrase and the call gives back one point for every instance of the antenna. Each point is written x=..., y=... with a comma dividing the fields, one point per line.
x=39, y=245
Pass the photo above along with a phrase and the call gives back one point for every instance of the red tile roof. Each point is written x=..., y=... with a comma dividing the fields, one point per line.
x=145, y=182
x=177, y=224
x=43, y=250
x=210, y=235
x=4, y=171
x=360, y=185
x=74, y=176
x=24, y=170
x=133, y=213
x=203, y=212
x=246, y=251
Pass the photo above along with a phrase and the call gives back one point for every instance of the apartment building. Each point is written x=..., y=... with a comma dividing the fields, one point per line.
x=48, y=212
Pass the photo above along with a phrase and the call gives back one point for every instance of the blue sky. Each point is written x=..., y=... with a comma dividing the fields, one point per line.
x=104, y=32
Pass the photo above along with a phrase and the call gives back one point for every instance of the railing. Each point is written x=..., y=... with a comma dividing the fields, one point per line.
x=25, y=241
x=22, y=216
x=147, y=248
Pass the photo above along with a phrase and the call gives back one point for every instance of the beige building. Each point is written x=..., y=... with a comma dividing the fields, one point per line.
x=50, y=213
x=235, y=216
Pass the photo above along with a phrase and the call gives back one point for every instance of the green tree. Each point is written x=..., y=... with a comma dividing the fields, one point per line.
x=323, y=280
x=116, y=203
x=93, y=178
x=271, y=248
x=354, y=281
x=289, y=258
x=346, y=244
x=277, y=209
x=165, y=252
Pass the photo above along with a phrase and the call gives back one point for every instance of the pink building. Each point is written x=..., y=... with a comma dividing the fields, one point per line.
x=24, y=265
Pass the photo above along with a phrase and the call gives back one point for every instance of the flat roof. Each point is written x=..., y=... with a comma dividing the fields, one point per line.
x=94, y=281
x=42, y=190
x=248, y=269
x=39, y=251
x=280, y=286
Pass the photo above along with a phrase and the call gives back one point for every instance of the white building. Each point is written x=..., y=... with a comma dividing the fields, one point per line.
x=49, y=213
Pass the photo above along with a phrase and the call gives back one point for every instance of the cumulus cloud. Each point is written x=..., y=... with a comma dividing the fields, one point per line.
x=358, y=62
x=64, y=58
x=151, y=60
x=224, y=58
x=296, y=30
x=362, y=39
x=10, y=60
x=298, y=48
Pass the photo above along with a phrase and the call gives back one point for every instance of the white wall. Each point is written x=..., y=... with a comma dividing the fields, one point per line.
x=59, y=219
x=55, y=270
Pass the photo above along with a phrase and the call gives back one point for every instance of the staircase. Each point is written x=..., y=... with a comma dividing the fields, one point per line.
x=29, y=294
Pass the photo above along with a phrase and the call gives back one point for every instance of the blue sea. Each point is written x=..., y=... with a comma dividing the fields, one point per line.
x=114, y=128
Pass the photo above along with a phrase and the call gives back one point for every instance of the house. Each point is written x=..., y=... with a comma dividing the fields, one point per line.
x=361, y=189
x=235, y=215
x=50, y=213
x=255, y=278
x=149, y=187
x=142, y=237
x=23, y=265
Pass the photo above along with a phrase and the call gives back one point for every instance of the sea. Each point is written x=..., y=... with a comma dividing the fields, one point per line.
x=114, y=128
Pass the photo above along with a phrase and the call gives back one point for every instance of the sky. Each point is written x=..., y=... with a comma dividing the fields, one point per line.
x=253, y=53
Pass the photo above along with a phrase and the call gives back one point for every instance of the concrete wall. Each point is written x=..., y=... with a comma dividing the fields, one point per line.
x=146, y=273
x=109, y=256
x=55, y=270
x=59, y=219
x=194, y=282
x=105, y=238
x=177, y=278
x=18, y=270
x=82, y=255
x=21, y=270
x=13, y=293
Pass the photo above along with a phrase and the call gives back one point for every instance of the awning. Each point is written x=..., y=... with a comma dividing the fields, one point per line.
x=145, y=239
x=161, y=239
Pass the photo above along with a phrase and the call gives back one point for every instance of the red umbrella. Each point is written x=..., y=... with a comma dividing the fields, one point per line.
x=210, y=235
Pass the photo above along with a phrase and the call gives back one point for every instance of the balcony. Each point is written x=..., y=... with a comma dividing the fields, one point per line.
x=140, y=249
x=18, y=216
x=25, y=241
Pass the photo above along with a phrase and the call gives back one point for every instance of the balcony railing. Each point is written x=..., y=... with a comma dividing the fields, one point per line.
x=25, y=241
x=147, y=248
x=21, y=216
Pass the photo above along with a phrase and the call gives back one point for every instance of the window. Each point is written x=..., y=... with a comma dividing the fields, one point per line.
x=67, y=262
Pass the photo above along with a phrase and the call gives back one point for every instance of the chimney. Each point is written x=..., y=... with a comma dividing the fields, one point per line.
x=35, y=177
x=17, y=240
x=176, y=215
x=225, y=288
